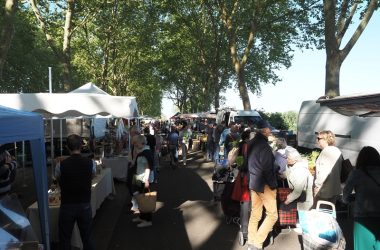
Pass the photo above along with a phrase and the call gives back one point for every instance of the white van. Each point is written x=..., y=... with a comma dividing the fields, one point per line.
x=238, y=116
x=351, y=132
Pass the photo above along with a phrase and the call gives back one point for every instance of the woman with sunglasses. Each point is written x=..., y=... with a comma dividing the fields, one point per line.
x=327, y=168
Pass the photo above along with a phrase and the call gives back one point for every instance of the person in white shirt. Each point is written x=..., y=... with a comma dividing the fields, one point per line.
x=327, y=168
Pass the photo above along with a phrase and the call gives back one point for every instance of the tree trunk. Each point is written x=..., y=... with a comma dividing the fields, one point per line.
x=333, y=64
x=334, y=33
x=216, y=92
x=243, y=88
x=7, y=31
x=66, y=49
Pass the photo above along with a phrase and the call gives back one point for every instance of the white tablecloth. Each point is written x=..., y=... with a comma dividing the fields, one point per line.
x=102, y=186
x=118, y=165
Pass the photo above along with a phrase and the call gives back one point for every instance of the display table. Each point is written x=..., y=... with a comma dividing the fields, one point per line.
x=196, y=145
x=118, y=165
x=102, y=186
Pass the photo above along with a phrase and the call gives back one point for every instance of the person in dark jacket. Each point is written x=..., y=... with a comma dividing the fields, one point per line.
x=262, y=185
x=74, y=175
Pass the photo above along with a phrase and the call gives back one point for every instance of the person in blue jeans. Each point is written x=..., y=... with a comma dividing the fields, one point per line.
x=74, y=175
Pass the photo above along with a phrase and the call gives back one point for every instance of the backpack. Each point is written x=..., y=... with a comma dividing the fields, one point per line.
x=346, y=169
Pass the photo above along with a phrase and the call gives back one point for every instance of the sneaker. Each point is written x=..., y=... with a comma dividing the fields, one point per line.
x=137, y=219
x=145, y=223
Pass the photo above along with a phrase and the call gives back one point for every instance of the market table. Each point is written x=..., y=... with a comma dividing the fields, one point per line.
x=118, y=165
x=102, y=186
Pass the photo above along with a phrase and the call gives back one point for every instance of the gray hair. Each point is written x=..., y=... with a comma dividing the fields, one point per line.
x=293, y=154
x=281, y=143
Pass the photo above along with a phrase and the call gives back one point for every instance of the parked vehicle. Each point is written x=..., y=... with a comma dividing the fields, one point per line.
x=238, y=116
x=351, y=132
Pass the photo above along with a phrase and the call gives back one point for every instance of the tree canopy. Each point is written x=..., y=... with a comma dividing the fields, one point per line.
x=189, y=51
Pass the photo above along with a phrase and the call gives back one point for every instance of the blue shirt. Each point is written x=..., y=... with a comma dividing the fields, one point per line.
x=173, y=138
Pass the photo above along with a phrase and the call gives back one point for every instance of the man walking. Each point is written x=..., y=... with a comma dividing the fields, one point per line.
x=262, y=185
x=173, y=146
x=74, y=175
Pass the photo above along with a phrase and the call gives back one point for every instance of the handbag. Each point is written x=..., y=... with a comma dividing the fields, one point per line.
x=346, y=170
x=240, y=191
x=147, y=201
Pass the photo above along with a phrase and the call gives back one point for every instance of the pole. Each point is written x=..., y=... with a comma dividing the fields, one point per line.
x=51, y=126
x=50, y=81
x=23, y=164
x=60, y=129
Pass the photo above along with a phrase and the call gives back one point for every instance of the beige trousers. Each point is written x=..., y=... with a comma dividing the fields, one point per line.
x=257, y=235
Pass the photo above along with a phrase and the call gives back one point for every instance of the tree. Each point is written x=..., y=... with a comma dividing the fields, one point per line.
x=193, y=52
x=337, y=18
x=28, y=57
x=260, y=34
x=64, y=54
x=7, y=31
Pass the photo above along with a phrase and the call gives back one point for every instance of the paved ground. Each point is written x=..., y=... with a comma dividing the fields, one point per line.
x=186, y=216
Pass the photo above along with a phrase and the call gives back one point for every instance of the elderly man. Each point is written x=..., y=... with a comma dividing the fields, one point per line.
x=262, y=185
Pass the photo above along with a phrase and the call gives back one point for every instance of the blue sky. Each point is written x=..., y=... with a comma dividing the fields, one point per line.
x=305, y=79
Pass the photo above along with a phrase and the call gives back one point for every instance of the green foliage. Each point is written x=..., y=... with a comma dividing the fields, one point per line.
x=281, y=121
x=239, y=160
x=26, y=68
x=311, y=158
x=150, y=49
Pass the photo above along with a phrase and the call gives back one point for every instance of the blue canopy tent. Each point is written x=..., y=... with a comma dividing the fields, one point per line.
x=16, y=125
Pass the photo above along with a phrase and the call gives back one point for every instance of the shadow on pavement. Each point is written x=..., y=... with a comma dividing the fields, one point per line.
x=186, y=218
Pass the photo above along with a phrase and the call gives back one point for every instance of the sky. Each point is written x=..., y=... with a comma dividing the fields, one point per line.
x=305, y=79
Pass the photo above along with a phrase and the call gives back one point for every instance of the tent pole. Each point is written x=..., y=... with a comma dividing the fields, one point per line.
x=52, y=146
x=129, y=135
x=60, y=129
x=51, y=125
x=23, y=164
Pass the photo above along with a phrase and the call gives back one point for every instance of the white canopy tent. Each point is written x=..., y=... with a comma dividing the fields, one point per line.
x=72, y=105
x=89, y=88
x=86, y=101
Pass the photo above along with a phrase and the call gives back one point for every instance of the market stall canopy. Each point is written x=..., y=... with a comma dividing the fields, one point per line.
x=189, y=116
x=175, y=116
x=16, y=125
x=89, y=88
x=208, y=115
x=363, y=105
x=72, y=105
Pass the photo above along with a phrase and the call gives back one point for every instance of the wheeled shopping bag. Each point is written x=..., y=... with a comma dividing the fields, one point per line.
x=320, y=230
x=287, y=214
x=230, y=207
x=220, y=177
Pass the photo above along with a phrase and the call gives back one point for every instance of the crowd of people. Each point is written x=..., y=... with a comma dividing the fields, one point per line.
x=270, y=163
x=266, y=163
